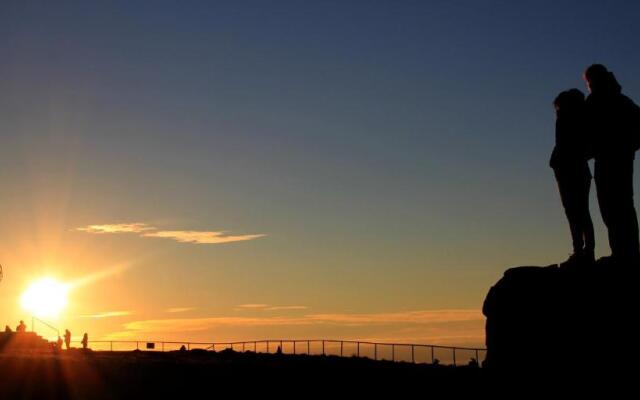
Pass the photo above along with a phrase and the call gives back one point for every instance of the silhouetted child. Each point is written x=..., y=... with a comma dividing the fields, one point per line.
x=85, y=341
x=569, y=163
x=59, y=342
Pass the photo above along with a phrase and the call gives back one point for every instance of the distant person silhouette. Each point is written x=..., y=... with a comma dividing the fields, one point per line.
x=59, y=343
x=571, y=169
x=85, y=341
x=67, y=338
x=7, y=329
x=21, y=328
x=614, y=120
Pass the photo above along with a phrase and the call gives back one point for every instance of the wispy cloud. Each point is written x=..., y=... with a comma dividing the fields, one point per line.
x=410, y=317
x=135, y=227
x=253, y=306
x=178, y=309
x=201, y=237
x=107, y=314
x=457, y=327
x=268, y=307
x=278, y=308
x=182, y=236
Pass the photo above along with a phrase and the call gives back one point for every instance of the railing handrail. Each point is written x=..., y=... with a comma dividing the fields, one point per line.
x=431, y=348
x=435, y=346
x=34, y=318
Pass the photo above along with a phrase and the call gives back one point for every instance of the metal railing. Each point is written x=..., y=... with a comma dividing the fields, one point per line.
x=33, y=325
x=408, y=352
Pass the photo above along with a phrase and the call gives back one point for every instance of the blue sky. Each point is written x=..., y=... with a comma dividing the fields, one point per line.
x=394, y=154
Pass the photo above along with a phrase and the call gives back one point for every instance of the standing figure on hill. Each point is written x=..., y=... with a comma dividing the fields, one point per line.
x=571, y=169
x=85, y=341
x=67, y=338
x=614, y=122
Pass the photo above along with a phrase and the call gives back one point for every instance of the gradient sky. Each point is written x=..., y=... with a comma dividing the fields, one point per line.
x=392, y=156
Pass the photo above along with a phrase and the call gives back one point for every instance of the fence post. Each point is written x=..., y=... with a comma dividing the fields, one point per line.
x=267, y=346
x=308, y=347
x=341, y=348
x=375, y=351
x=111, y=345
x=137, y=345
x=243, y=347
x=323, y=353
x=454, y=356
x=393, y=352
x=413, y=354
x=433, y=358
x=294, y=347
x=163, y=347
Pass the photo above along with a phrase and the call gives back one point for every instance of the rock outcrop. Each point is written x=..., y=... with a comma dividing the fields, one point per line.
x=563, y=318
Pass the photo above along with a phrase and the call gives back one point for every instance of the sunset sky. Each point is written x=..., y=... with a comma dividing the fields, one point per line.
x=238, y=170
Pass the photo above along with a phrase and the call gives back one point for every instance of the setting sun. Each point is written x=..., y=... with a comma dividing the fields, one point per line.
x=45, y=298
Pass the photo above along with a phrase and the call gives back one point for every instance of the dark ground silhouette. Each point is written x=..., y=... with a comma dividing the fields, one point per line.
x=204, y=374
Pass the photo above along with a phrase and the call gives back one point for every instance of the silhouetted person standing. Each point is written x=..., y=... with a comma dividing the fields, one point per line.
x=67, y=338
x=612, y=119
x=85, y=341
x=569, y=163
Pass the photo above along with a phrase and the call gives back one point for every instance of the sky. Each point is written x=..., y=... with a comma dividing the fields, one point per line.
x=239, y=170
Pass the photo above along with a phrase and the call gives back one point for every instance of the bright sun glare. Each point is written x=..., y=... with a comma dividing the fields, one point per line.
x=45, y=298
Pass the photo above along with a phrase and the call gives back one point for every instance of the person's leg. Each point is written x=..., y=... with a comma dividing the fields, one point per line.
x=605, y=203
x=584, y=215
x=624, y=215
x=569, y=197
x=614, y=186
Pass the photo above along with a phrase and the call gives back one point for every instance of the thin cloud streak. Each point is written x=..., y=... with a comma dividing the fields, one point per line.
x=253, y=306
x=279, y=308
x=412, y=317
x=146, y=230
x=267, y=307
x=178, y=309
x=107, y=314
x=135, y=227
x=201, y=237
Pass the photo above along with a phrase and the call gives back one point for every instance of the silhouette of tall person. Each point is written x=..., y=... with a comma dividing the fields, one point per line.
x=611, y=117
x=569, y=162
x=67, y=338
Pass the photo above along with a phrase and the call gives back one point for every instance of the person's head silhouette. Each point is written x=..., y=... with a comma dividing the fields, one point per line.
x=569, y=101
x=600, y=79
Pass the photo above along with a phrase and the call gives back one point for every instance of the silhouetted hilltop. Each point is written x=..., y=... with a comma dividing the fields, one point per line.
x=12, y=341
x=553, y=319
